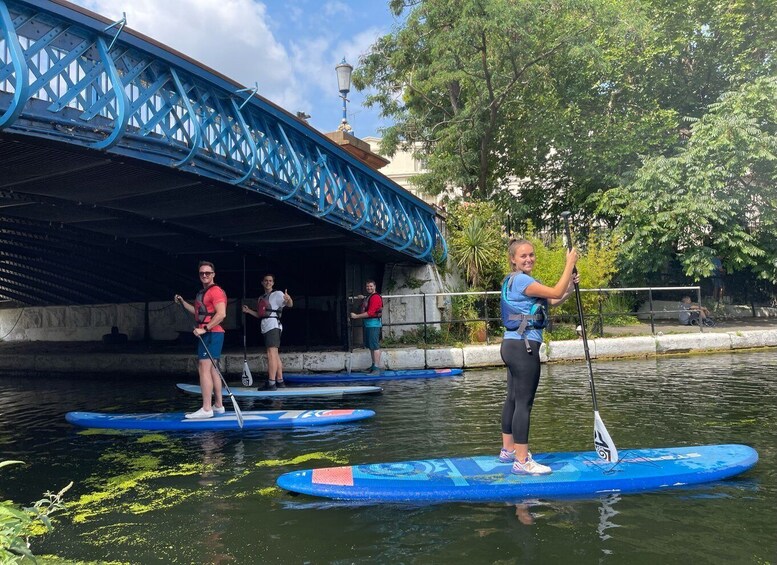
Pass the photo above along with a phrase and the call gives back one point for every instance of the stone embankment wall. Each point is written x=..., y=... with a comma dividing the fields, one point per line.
x=90, y=322
x=470, y=357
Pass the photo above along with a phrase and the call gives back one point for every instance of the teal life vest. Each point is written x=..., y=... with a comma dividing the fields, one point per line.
x=522, y=315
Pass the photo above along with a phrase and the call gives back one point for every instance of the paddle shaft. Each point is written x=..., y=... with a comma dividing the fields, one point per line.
x=349, y=337
x=223, y=382
x=580, y=316
x=245, y=346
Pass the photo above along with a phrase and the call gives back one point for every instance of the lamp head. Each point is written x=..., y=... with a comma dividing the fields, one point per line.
x=344, y=71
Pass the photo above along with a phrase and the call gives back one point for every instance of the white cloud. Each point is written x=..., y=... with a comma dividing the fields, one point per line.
x=291, y=56
x=232, y=37
x=334, y=7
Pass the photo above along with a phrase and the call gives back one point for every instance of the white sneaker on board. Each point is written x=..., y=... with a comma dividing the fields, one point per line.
x=199, y=414
x=530, y=467
x=219, y=409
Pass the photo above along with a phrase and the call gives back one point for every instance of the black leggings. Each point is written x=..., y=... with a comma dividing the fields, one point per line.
x=523, y=376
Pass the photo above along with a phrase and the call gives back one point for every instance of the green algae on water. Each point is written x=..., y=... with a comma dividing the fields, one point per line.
x=334, y=457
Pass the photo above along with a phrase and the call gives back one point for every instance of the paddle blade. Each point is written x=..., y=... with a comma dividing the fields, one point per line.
x=248, y=378
x=605, y=447
x=238, y=413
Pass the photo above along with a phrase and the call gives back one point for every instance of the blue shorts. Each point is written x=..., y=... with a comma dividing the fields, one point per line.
x=372, y=338
x=214, y=341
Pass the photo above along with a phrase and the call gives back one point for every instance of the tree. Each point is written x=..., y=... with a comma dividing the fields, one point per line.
x=717, y=196
x=540, y=105
x=472, y=81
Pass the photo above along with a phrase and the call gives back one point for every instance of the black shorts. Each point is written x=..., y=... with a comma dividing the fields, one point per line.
x=272, y=338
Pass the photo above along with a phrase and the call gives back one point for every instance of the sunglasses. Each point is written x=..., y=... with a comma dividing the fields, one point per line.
x=206, y=273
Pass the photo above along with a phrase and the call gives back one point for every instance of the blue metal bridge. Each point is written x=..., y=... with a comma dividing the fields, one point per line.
x=119, y=157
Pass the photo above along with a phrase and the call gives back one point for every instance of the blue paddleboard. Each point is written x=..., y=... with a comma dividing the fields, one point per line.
x=484, y=478
x=248, y=392
x=383, y=376
x=175, y=421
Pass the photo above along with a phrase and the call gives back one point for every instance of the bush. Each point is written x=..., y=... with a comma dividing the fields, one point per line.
x=616, y=308
x=477, y=242
x=560, y=332
x=416, y=337
x=18, y=525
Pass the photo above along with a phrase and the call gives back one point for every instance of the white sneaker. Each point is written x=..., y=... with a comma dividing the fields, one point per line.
x=530, y=467
x=200, y=414
x=219, y=409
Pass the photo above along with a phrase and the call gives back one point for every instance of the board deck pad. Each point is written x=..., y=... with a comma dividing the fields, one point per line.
x=175, y=421
x=382, y=376
x=484, y=478
x=252, y=392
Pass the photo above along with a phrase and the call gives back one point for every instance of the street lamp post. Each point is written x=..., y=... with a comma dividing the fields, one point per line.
x=344, y=71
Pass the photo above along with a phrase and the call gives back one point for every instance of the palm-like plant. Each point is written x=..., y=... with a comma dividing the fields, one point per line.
x=477, y=249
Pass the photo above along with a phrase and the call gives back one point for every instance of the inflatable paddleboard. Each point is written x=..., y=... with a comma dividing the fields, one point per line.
x=384, y=376
x=331, y=391
x=175, y=421
x=484, y=478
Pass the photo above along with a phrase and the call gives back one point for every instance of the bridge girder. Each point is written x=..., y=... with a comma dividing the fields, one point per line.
x=121, y=137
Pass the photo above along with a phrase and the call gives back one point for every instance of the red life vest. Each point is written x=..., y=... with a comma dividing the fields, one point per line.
x=264, y=311
x=201, y=314
x=366, y=305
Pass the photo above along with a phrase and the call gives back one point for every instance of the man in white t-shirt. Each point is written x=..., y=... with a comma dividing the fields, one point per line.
x=269, y=309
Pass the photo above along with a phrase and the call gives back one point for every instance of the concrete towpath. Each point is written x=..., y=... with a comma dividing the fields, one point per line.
x=170, y=358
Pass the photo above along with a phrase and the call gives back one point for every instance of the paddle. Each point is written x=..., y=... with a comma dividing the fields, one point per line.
x=603, y=443
x=238, y=413
x=247, y=378
x=349, y=329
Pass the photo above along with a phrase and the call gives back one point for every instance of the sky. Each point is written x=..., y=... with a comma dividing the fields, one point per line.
x=289, y=47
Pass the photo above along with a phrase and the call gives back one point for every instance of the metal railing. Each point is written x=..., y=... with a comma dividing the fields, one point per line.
x=437, y=309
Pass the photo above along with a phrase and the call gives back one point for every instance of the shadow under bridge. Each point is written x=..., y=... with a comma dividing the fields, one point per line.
x=122, y=162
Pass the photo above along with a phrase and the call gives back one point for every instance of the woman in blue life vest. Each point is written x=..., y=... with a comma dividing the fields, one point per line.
x=524, y=300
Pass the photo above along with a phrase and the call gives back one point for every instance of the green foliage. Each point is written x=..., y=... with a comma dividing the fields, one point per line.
x=717, y=196
x=418, y=337
x=18, y=525
x=596, y=267
x=414, y=283
x=560, y=332
x=477, y=242
x=616, y=309
x=463, y=307
x=569, y=96
x=475, y=83
x=437, y=258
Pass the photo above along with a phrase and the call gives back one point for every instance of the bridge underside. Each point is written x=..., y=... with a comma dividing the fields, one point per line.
x=80, y=226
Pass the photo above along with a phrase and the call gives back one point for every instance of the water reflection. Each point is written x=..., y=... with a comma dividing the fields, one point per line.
x=606, y=513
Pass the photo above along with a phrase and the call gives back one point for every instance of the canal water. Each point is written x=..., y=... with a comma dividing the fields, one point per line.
x=210, y=498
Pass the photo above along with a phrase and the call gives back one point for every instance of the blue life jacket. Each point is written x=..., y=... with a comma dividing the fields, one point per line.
x=523, y=315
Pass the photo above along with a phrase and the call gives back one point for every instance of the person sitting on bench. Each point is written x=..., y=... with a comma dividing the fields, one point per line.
x=691, y=314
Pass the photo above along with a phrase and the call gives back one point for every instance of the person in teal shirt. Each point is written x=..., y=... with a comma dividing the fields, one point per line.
x=371, y=312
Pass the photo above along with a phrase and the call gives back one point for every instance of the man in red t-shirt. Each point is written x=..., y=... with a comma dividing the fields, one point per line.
x=209, y=309
x=371, y=312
